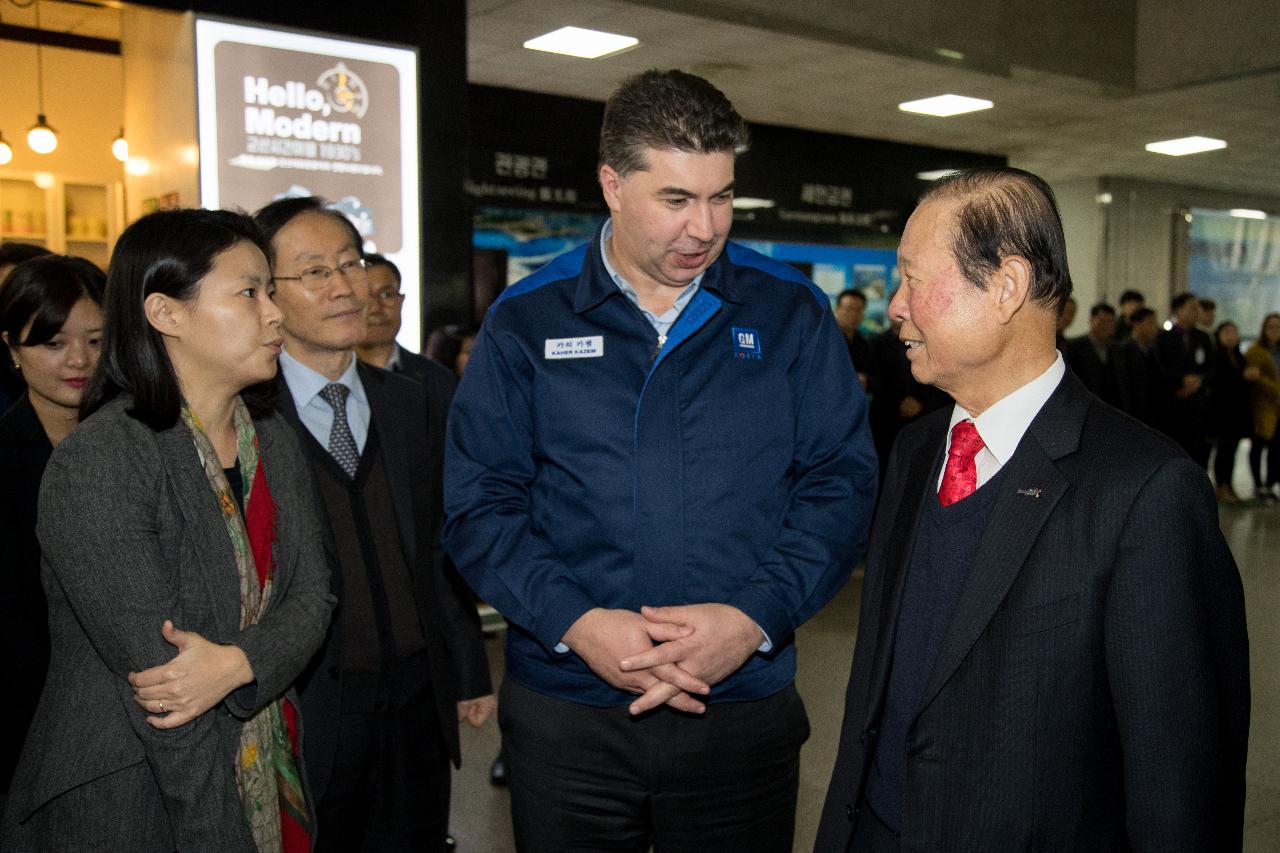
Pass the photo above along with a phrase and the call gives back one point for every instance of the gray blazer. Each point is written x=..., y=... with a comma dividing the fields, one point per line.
x=132, y=535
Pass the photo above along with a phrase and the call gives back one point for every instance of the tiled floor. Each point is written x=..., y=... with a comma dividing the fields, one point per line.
x=481, y=817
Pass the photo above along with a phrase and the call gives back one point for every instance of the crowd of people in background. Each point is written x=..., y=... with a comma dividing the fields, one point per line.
x=1188, y=379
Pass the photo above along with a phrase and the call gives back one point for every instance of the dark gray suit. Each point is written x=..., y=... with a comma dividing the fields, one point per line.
x=131, y=535
x=408, y=418
x=1092, y=689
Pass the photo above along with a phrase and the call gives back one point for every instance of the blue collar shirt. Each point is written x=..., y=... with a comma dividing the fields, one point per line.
x=305, y=386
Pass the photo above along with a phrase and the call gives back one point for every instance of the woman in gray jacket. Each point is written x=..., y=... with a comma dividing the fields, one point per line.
x=182, y=562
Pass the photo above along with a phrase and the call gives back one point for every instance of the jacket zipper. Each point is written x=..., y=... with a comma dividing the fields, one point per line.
x=662, y=339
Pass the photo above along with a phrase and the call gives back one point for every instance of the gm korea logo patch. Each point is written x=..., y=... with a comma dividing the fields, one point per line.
x=746, y=343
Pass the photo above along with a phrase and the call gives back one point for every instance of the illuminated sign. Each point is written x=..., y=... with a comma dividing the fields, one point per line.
x=286, y=114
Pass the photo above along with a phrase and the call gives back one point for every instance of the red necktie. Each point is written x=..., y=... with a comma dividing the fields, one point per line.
x=961, y=477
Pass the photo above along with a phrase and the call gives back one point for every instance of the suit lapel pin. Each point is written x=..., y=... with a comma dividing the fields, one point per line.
x=1031, y=493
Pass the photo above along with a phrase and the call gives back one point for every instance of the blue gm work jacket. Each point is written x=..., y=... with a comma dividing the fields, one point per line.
x=587, y=466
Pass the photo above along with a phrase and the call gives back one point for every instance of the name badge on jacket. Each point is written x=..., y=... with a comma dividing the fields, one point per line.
x=592, y=347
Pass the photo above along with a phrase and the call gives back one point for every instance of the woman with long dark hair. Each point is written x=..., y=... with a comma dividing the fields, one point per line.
x=182, y=561
x=51, y=327
x=1264, y=398
x=1231, y=419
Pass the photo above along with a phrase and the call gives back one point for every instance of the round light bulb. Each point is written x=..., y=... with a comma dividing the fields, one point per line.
x=41, y=137
x=6, y=152
x=120, y=148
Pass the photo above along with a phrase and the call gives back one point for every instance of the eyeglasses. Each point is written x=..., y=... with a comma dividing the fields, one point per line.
x=388, y=296
x=315, y=278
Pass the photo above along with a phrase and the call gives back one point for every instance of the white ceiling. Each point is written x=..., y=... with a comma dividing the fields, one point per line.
x=1061, y=127
x=778, y=72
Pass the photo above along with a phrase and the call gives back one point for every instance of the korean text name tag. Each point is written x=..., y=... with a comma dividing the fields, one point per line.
x=592, y=347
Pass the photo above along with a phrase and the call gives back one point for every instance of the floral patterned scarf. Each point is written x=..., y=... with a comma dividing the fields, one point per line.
x=267, y=771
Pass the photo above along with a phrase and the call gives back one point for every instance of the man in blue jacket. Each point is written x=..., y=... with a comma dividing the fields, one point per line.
x=658, y=466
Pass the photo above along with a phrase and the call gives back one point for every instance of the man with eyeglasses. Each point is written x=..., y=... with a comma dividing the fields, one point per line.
x=382, y=323
x=381, y=700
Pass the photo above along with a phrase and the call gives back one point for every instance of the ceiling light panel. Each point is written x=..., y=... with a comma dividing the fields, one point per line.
x=945, y=105
x=1186, y=145
x=581, y=43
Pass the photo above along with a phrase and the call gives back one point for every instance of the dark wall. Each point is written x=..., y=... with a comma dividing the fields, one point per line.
x=438, y=29
x=539, y=151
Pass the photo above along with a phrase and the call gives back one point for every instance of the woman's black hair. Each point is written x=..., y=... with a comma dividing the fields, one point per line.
x=166, y=252
x=445, y=344
x=40, y=294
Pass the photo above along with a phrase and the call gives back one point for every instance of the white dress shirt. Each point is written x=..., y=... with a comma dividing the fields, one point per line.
x=1003, y=424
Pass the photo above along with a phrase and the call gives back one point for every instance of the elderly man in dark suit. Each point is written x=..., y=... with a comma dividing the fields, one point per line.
x=1051, y=649
x=403, y=662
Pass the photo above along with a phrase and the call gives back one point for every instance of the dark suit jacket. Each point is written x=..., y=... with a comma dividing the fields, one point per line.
x=1095, y=373
x=24, y=625
x=1141, y=389
x=410, y=429
x=1091, y=692
x=460, y=611
x=131, y=535
x=1179, y=356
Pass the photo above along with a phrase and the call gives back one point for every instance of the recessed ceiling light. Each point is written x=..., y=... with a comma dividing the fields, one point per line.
x=945, y=105
x=746, y=202
x=1246, y=213
x=1185, y=145
x=584, y=44
x=935, y=174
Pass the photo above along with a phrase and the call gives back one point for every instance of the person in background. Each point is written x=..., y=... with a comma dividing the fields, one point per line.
x=1139, y=378
x=1089, y=356
x=1186, y=357
x=897, y=399
x=1209, y=316
x=1264, y=400
x=1065, y=320
x=851, y=309
x=183, y=568
x=382, y=323
x=451, y=346
x=382, y=698
x=379, y=348
x=1232, y=420
x=51, y=326
x=12, y=254
x=1130, y=301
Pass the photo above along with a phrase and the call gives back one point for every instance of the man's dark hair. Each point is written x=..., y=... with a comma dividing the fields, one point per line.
x=852, y=293
x=168, y=252
x=668, y=110
x=278, y=214
x=1140, y=315
x=1102, y=308
x=376, y=260
x=40, y=294
x=1208, y=304
x=1132, y=296
x=1006, y=212
x=1181, y=299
